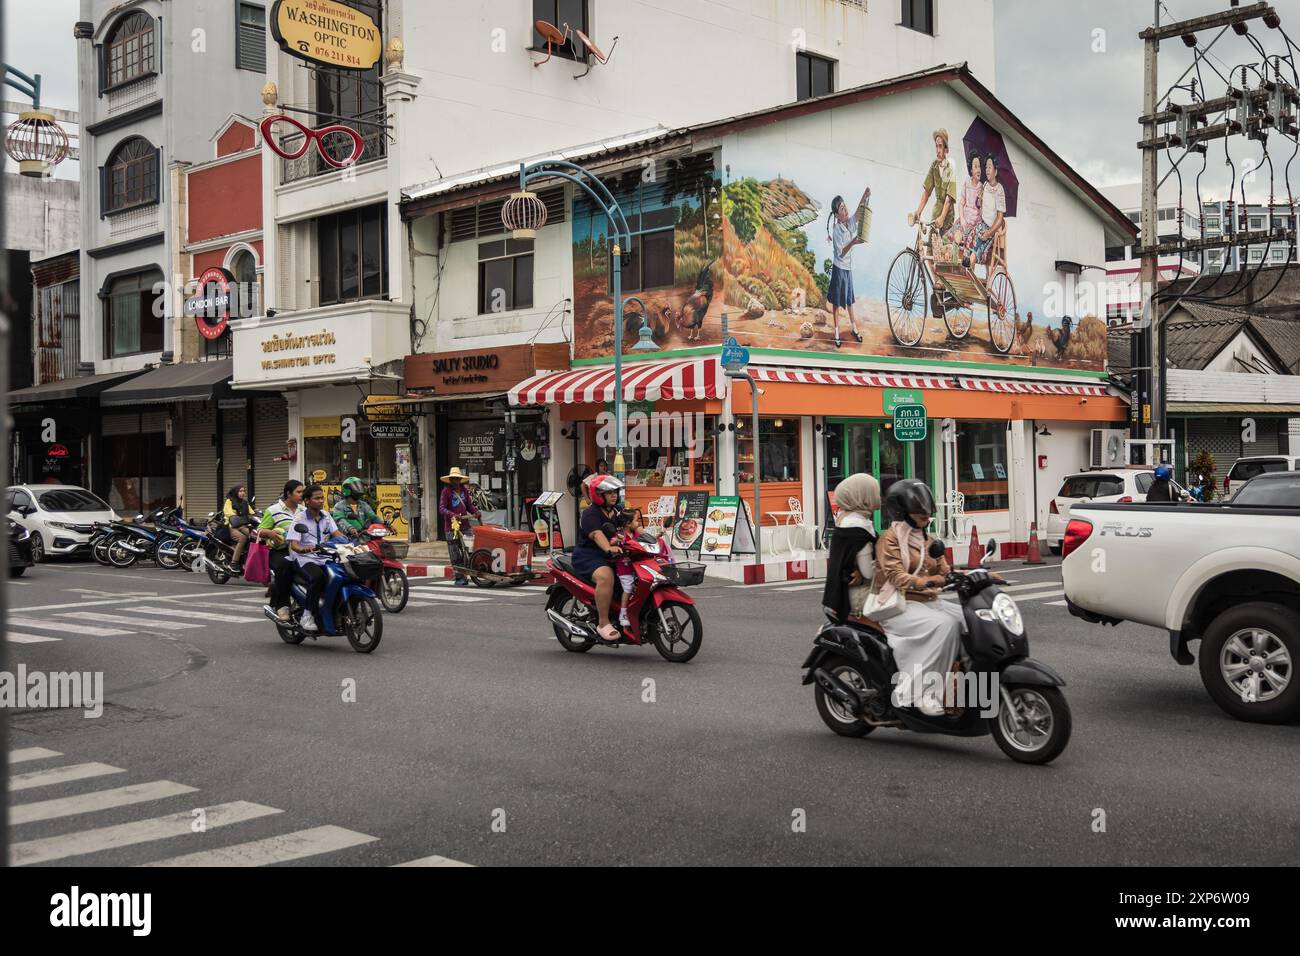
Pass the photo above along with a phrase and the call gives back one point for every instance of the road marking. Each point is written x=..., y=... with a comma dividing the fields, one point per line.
x=60, y=607
x=115, y=619
x=1038, y=596
x=69, y=628
x=453, y=599
x=204, y=615
x=276, y=849
x=45, y=778
x=129, y=834
x=98, y=800
x=32, y=753
x=804, y=587
x=1057, y=603
x=434, y=861
x=17, y=638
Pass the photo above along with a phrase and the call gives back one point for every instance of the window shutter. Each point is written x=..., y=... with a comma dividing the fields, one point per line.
x=157, y=175
x=101, y=67
x=157, y=45
x=463, y=223
x=103, y=191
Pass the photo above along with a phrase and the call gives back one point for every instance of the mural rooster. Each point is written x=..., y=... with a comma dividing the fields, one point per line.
x=1061, y=337
x=690, y=317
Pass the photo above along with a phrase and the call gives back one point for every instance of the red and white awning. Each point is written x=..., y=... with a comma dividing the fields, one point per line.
x=807, y=376
x=686, y=380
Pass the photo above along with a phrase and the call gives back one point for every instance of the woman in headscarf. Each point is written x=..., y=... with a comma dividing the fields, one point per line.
x=850, y=566
x=926, y=636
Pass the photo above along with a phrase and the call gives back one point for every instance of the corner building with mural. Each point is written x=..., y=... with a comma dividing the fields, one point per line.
x=796, y=226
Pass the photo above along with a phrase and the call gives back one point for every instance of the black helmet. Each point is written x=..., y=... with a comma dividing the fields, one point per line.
x=908, y=497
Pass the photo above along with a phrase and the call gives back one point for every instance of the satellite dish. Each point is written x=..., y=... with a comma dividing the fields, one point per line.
x=551, y=34
x=601, y=57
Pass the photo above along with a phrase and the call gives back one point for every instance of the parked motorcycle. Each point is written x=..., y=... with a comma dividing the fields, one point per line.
x=348, y=605
x=1197, y=491
x=1018, y=699
x=393, y=588
x=659, y=611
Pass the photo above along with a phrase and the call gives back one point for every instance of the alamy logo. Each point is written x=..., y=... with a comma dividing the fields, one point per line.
x=654, y=430
x=40, y=690
x=75, y=908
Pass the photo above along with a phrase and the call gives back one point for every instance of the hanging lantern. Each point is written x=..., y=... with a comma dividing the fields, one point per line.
x=523, y=214
x=36, y=142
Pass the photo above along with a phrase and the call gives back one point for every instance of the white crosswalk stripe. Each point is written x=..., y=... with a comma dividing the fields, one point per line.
x=129, y=834
x=200, y=615
x=434, y=861
x=14, y=637
x=23, y=754
x=451, y=599
x=276, y=849
x=45, y=778
x=1057, y=603
x=134, y=622
x=98, y=800
x=68, y=627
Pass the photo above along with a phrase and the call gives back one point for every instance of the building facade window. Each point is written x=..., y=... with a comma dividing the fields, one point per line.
x=814, y=76
x=982, y=465
x=559, y=13
x=353, y=254
x=133, y=314
x=505, y=275
x=778, y=454
x=130, y=50
x=919, y=15
x=130, y=177
x=250, y=37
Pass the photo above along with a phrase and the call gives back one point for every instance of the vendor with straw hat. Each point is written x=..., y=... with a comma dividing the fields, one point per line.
x=455, y=502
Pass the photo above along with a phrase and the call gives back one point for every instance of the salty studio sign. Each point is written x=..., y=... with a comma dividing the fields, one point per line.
x=326, y=32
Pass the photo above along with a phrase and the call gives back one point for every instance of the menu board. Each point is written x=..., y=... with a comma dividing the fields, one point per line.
x=727, y=528
x=688, y=523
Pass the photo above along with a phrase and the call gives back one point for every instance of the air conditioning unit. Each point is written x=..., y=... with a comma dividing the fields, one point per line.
x=1107, y=448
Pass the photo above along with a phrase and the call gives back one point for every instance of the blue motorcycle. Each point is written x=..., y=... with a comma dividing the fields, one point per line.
x=348, y=605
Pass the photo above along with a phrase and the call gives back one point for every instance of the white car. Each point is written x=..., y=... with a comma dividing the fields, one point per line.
x=1120, y=485
x=60, y=517
x=1244, y=469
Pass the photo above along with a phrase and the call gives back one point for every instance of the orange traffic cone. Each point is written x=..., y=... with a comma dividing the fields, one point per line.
x=1035, y=555
x=976, y=553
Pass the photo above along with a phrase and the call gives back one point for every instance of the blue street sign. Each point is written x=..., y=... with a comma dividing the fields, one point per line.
x=734, y=355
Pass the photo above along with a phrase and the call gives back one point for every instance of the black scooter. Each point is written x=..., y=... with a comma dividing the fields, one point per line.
x=1002, y=690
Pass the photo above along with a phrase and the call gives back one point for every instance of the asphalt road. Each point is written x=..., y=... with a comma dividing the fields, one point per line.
x=475, y=737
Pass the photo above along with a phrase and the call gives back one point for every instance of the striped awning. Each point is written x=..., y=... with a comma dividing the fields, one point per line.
x=686, y=380
x=807, y=376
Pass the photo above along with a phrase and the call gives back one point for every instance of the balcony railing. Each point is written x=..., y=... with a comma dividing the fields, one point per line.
x=134, y=223
x=139, y=93
x=310, y=164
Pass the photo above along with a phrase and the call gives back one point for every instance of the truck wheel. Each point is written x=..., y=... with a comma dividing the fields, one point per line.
x=1248, y=662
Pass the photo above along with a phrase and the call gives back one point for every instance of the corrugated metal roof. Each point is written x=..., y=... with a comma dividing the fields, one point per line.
x=1229, y=408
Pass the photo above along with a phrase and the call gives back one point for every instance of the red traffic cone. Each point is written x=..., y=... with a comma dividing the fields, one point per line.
x=1035, y=555
x=976, y=553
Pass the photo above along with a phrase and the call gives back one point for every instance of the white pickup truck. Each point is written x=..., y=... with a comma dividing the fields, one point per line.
x=1225, y=575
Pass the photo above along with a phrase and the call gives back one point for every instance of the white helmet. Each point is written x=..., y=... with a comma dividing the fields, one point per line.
x=602, y=485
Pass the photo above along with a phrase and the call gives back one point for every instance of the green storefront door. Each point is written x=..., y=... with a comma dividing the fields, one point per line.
x=870, y=446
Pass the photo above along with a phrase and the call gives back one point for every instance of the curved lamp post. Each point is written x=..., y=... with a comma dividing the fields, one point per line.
x=524, y=213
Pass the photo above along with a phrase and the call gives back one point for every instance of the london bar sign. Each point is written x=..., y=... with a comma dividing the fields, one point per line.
x=326, y=32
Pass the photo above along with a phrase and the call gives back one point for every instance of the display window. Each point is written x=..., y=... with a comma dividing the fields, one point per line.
x=982, y=467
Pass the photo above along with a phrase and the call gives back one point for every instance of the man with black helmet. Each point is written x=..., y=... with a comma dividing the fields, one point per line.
x=925, y=633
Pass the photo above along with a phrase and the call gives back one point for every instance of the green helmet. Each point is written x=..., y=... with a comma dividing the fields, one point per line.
x=353, y=487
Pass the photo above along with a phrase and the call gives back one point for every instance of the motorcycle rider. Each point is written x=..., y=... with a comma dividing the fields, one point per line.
x=320, y=528
x=1162, y=488
x=236, y=505
x=850, y=567
x=274, y=530
x=926, y=636
x=594, y=554
x=353, y=513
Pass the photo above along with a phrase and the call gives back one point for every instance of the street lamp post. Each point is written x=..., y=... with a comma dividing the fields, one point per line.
x=524, y=213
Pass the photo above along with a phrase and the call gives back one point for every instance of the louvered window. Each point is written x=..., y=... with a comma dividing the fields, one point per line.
x=250, y=38
x=477, y=222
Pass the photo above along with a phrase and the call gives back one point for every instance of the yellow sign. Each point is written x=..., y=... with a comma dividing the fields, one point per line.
x=326, y=427
x=326, y=32
x=389, y=506
x=295, y=343
x=1146, y=414
x=318, y=475
x=384, y=408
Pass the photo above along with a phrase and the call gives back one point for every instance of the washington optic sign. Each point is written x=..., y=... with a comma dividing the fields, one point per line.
x=326, y=32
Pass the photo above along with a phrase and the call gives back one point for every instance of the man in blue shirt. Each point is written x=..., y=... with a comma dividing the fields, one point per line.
x=320, y=527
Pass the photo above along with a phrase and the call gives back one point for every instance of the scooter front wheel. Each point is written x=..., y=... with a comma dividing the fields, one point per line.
x=1044, y=724
x=681, y=640
x=364, y=625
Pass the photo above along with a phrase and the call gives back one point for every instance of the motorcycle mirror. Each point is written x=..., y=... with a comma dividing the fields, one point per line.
x=937, y=550
x=300, y=528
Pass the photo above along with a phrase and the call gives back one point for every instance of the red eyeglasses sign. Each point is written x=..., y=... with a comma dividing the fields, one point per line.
x=310, y=136
x=210, y=305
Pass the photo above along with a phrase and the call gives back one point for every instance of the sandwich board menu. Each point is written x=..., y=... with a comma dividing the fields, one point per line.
x=727, y=528
x=688, y=525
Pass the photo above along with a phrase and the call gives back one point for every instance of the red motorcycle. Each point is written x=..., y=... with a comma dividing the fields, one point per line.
x=392, y=588
x=659, y=611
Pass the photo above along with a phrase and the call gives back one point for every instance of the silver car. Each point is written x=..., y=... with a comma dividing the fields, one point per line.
x=59, y=517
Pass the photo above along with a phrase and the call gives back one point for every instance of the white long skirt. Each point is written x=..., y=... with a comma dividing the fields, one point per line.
x=926, y=639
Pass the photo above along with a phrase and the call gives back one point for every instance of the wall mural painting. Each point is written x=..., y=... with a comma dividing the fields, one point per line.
x=929, y=264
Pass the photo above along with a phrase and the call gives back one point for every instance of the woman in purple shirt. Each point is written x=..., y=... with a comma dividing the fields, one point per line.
x=455, y=502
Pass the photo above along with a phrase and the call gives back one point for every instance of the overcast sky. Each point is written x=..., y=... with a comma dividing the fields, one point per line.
x=1071, y=69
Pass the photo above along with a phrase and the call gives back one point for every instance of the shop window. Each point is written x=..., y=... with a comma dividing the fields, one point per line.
x=669, y=449
x=250, y=38
x=919, y=15
x=505, y=275
x=982, y=465
x=778, y=455
x=558, y=13
x=130, y=177
x=814, y=76
x=143, y=472
x=353, y=254
x=132, y=324
x=130, y=50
